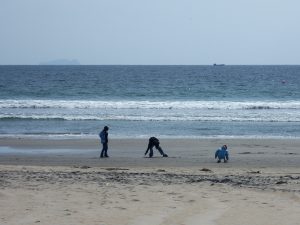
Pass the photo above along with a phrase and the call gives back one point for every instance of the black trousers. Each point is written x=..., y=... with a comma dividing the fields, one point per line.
x=104, y=150
x=150, y=147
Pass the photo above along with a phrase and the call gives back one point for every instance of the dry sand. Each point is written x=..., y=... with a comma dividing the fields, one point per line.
x=64, y=182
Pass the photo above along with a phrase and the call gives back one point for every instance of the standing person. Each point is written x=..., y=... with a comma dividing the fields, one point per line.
x=104, y=140
x=153, y=141
x=222, y=153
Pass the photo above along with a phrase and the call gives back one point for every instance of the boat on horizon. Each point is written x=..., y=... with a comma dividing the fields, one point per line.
x=218, y=64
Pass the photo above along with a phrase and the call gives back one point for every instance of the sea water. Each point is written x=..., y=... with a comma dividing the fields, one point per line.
x=144, y=101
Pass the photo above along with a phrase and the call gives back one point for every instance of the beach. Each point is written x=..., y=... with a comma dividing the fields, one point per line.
x=190, y=78
x=63, y=181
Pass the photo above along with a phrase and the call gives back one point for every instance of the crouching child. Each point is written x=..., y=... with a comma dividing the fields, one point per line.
x=222, y=153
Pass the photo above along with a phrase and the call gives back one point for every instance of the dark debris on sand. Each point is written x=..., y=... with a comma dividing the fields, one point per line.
x=36, y=179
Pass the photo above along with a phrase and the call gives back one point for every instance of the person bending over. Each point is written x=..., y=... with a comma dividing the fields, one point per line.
x=153, y=141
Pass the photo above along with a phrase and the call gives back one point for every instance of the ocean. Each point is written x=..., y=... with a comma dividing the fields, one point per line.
x=143, y=101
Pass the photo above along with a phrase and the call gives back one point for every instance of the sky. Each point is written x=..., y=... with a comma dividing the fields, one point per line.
x=150, y=32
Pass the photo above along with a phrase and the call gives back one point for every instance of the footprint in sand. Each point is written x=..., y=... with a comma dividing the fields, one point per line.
x=172, y=193
x=121, y=208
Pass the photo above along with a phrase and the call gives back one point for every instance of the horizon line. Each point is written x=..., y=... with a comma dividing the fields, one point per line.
x=218, y=65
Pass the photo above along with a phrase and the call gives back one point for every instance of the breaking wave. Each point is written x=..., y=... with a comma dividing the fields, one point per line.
x=81, y=104
x=266, y=111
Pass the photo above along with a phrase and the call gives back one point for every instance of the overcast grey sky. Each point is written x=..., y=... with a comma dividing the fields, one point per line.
x=150, y=31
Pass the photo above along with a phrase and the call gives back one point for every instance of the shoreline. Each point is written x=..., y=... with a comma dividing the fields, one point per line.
x=91, y=141
x=171, y=137
x=244, y=153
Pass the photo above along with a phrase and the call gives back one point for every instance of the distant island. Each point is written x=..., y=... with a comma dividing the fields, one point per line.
x=61, y=62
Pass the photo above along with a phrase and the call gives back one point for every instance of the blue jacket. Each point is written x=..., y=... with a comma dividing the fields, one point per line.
x=222, y=153
x=103, y=136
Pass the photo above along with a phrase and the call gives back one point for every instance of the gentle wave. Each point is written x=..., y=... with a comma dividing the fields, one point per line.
x=147, y=118
x=214, y=105
x=65, y=136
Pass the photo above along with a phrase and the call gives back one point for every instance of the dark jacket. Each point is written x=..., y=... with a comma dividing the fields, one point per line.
x=103, y=136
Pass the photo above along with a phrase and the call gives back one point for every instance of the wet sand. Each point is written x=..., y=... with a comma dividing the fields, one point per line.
x=65, y=182
x=244, y=153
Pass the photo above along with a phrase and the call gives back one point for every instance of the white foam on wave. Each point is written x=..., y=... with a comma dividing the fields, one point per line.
x=89, y=104
x=264, y=111
x=228, y=118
